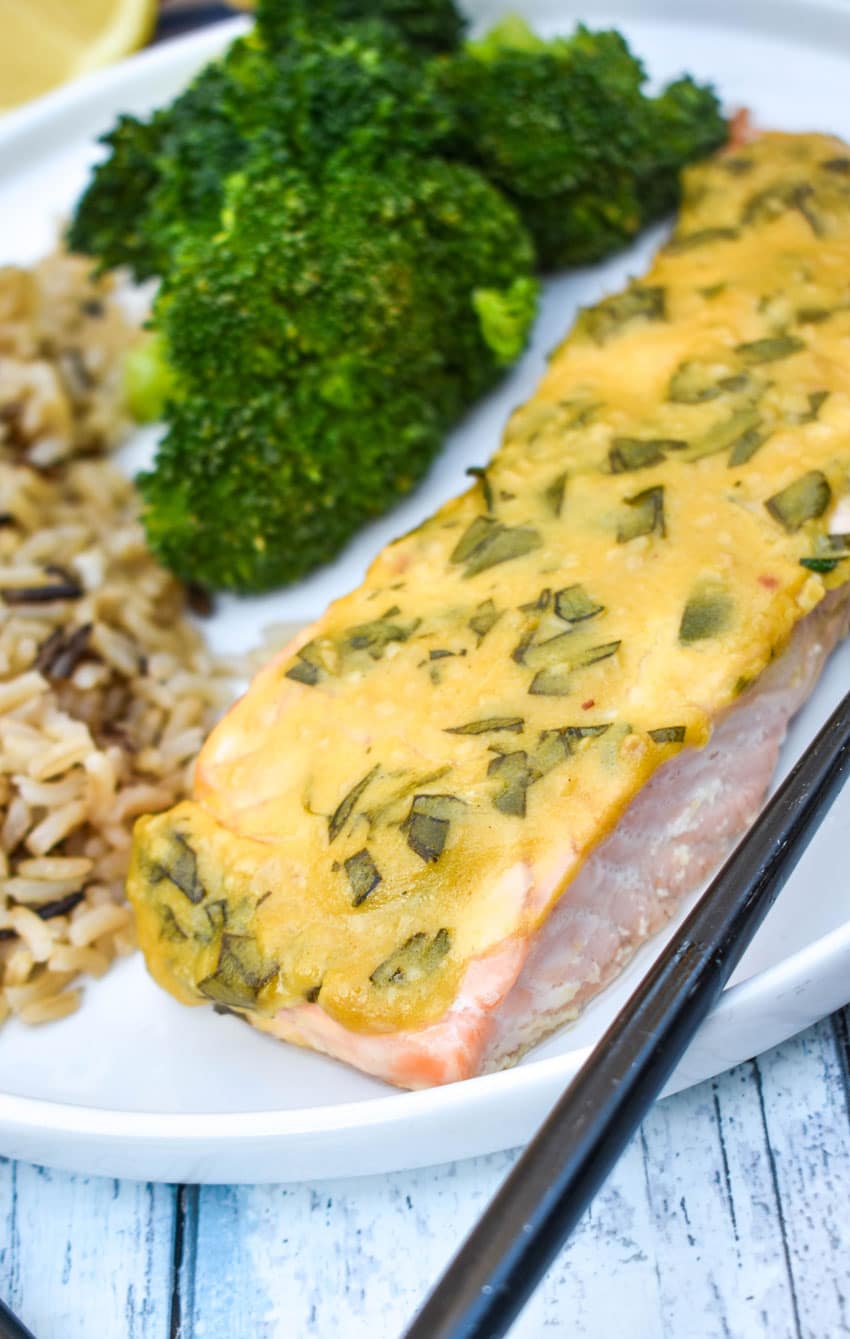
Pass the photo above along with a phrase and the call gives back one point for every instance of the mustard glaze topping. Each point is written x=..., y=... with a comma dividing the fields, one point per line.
x=452, y=739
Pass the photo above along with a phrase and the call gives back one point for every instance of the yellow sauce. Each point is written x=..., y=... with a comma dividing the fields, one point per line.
x=630, y=562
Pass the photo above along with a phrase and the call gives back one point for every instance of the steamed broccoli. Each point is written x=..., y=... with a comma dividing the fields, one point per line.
x=163, y=183
x=432, y=26
x=563, y=127
x=162, y=177
x=322, y=342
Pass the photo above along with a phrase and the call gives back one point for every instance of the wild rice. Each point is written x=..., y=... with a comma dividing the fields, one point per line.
x=106, y=691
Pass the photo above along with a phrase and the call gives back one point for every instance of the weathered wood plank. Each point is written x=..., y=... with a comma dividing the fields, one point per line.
x=726, y=1216
x=81, y=1256
x=809, y=1136
x=687, y=1236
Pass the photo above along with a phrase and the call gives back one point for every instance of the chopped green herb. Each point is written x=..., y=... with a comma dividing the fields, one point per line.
x=479, y=473
x=417, y=958
x=636, y=453
x=574, y=605
x=303, y=672
x=726, y=434
x=216, y=914
x=551, y=683
x=705, y=237
x=345, y=808
x=181, y=867
x=474, y=535
x=646, y=516
x=749, y=442
x=490, y=725
x=538, y=605
x=483, y=619
x=841, y=166
x=439, y=654
x=427, y=824
x=593, y=654
x=376, y=636
x=169, y=927
x=312, y=661
x=830, y=550
x=770, y=350
x=494, y=545
x=240, y=975
x=695, y=382
x=707, y=613
x=773, y=201
x=363, y=876
x=516, y=773
x=637, y=303
x=553, y=493
x=669, y=734
x=557, y=745
x=539, y=655
x=804, y=500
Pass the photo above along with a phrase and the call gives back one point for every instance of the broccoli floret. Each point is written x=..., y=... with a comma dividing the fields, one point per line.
x=563, y=127
x=162, y=177
x=684, y=124
x=110, y=220
x=322, y=342
x=432, y=26
x=358, y=84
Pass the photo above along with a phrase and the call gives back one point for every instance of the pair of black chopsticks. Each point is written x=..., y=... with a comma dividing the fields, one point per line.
x=505, y=1256
x=531, y=1216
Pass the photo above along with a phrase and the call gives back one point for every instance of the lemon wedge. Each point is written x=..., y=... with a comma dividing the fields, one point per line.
x=47, y=42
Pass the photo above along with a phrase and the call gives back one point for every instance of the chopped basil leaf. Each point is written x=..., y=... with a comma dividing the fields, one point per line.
x=474, y=535
x=376, y=636
x=427, y=824
x=240, y=975
x=749, y=442
x=637, y=303
x=553, y=494
x=181, y=867
x=363, y=876
x=707, y=613
x=770, y=350
x=804, y=500
x=574, y=605
x=516, y=773
x=417, y=958
x=488, y=545
x=169, y=928
x=646, y=517
x=479, y=473
x=704, y=237
x=551, y=683
x=669, y=734
x=636, y=453
x=483, y=619
x=726, y=434
x=345, y=808
x=490, y=725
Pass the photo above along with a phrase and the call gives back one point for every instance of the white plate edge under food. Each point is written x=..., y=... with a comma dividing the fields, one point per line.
x=387, y=1131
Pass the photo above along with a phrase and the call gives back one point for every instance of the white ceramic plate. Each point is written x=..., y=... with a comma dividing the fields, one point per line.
x=135, y=1085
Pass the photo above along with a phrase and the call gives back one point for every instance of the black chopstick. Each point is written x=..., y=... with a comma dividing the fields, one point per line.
x=10, y=1326
x=531, y=1216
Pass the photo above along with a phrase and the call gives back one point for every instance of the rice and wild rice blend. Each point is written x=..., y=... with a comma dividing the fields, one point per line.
x=105, y=690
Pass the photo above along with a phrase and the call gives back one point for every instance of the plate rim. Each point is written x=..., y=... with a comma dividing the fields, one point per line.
x=79, y=1125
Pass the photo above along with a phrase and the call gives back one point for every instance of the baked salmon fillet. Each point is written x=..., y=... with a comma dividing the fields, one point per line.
x=446, y=815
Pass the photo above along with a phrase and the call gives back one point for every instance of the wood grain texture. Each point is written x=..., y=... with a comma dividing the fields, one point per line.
x=726, y=1219
x=83, y=1256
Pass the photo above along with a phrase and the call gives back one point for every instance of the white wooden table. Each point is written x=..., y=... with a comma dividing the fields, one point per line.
x=726, y=1219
